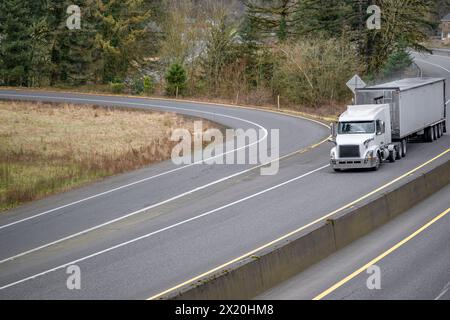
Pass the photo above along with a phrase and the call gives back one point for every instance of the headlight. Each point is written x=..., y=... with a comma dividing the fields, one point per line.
x=369, y=155
x=333, y=155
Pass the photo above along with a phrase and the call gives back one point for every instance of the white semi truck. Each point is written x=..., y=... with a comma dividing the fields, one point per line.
x=384, y=118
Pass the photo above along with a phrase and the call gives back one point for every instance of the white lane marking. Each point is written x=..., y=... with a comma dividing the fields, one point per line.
x=440, y=49
x=446, y=289
x=436, y=65
x=164, y=229
x=433, y=64
x=153, y=206
x=438, y=56
x=142, y=180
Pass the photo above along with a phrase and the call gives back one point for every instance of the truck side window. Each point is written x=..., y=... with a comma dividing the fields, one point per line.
x=381, y=127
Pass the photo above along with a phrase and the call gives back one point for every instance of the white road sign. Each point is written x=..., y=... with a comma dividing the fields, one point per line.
x=356, y=83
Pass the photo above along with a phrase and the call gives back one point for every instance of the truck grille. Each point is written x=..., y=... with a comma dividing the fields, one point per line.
x=349, y=152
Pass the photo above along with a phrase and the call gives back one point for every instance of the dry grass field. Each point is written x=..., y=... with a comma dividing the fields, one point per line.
x=47, y=148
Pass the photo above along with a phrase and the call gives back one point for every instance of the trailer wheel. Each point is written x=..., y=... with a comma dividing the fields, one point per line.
x=435, y=129
x=404, y=147
x=427, y=135
x=439, y=130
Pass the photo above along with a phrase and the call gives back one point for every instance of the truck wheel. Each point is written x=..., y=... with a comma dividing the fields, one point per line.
x=398, y=152
x=337, y=170
x=427, y=135
x=378, y=165
x=404, y=147
x=430, y=134
x=392, y=156
x=435, y=130
x=439, y=130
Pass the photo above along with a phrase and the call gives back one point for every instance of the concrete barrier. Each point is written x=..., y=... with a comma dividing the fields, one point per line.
x=257, y=274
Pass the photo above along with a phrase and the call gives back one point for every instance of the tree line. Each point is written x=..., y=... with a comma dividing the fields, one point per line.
x=249, y=51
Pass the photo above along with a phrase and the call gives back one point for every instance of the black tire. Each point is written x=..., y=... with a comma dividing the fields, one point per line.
x=439, y=130
x=392, y=156
x=378, y=165
x=404, y=145
x=435, y=129
x=427, y=135
x=337, y=170
x=398, y=152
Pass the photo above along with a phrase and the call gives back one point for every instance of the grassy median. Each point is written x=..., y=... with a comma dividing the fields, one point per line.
x=46, y=148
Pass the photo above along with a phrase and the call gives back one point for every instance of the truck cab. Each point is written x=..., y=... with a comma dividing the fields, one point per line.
x=385, y=118
x=362, y=137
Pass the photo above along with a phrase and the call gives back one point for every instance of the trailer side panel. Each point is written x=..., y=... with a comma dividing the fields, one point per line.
x=420, y=108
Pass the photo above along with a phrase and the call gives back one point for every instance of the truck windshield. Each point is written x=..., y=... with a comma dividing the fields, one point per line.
x=356, y=127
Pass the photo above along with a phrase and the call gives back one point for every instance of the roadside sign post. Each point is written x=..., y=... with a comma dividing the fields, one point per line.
x=355, y=83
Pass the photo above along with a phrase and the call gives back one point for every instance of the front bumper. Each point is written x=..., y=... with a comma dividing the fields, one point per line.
x=343, y=164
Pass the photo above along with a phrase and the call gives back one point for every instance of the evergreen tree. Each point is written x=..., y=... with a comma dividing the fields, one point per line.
x=176, y=80
x=74, y=54
x=404, y=24
x=15, y=42
x=323, y=17
x=252, y=50
x=124, y=37
x=38, y=48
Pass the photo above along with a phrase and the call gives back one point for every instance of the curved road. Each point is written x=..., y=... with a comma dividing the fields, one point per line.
x=136, y=235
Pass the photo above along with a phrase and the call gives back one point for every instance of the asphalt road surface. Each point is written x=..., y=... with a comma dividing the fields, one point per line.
x=418, y=268
x=136, y=235
x=412, y=252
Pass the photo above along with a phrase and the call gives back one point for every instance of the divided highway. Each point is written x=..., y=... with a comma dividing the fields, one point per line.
x=412, y=253
x=136, y=235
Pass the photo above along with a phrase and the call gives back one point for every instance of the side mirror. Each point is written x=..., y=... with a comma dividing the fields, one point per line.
x=332, y=139
x=333, y=129
x=381, y=127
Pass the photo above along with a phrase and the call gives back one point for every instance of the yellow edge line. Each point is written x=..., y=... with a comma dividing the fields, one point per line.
x=380, y=257
x=159, y=295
